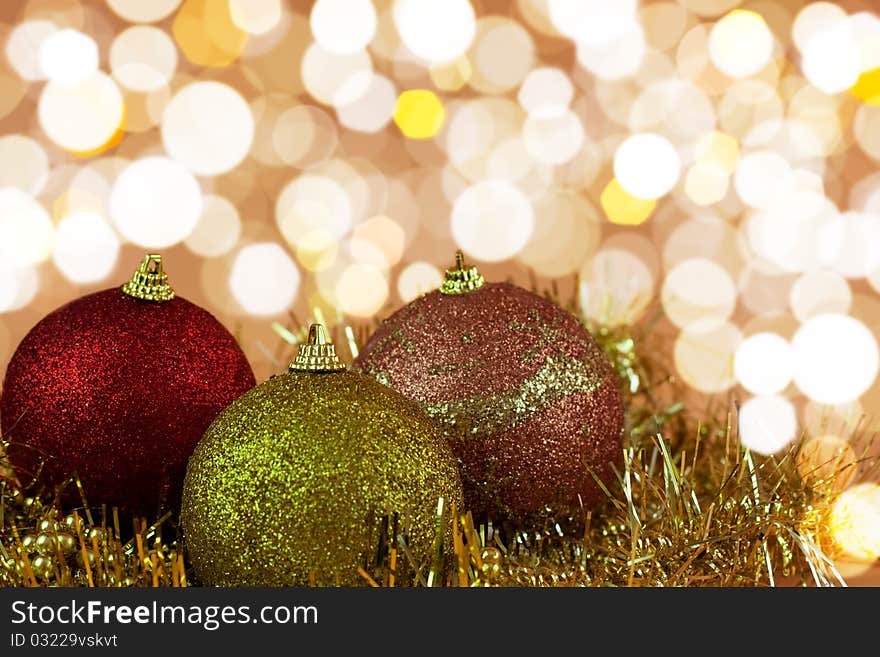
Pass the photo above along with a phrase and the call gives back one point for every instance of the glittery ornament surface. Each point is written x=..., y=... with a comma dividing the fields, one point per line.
x=526, y=397
x=119, y=390
x=290, y=484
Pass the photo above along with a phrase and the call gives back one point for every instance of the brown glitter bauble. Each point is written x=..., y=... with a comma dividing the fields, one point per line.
x=293, y=482
x=118, y=389
x=526, y=397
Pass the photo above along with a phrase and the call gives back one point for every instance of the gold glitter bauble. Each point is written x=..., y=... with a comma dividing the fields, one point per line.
x=303, y=478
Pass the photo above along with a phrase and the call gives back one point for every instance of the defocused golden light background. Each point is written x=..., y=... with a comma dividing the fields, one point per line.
x=705, y=167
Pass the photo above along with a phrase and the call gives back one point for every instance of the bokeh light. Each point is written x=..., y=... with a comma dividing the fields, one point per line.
x=740, y=44
x=138, y=11
x=23, y=164
x=23, y=47
x=435, y=32
x=317, y=250
x=553, y=139
x=86, y=247
x=336, y=79
x=343, y=26
x=546, y=92
x=85, y=117
x=312, y=202
x=616, y=287
x=416, y=279
x=855, y=522
x=451, y=76
x=419, y=113
x=647, y=166
x=501, y=56
x=718, y=147
x=68, y=57
x=623, y=208
x=378, y=241
x=256, y=16
x=617, y=58
x=706, y=183
x=361, y=290
x=813, y=19
x=835, y=358
x=264, y=279
x=698, y=295
x=830, y=58
x=767, y=424
x=372, y=111
x=208, y=127
x=704, y=359
x=492, y=220
x=567, y=230
x=217, y=230
x=304, y=137
x=25, y=229
x=18, y=286
x=592, y=22
x=820, y=292
x=763, y=363
x=143, y=58
x=761, y=178
x=155, y=202
x=206, y=33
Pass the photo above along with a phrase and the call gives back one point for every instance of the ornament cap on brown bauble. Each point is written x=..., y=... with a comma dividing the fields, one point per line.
x=526, y=397
x=118, y=386
x=461, y=279
x=313, y=474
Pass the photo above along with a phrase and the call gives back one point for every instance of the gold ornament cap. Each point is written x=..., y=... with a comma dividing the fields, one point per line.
x=461, y=280
x=149, y=282
x=317, y=354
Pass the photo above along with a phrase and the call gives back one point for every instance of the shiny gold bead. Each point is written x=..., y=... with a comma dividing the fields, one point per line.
x=492, y=559
x=42, y=566
x=491, y=555
x=70, y=522
x=45, y=543
x=47, y=525
x=66, y=543
x=96, y=533
x=28, y=542
x=90, y=555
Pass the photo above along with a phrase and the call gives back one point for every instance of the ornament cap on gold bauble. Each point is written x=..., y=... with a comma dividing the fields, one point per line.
x=317, y=354
x=461, y=279
x=149, y=281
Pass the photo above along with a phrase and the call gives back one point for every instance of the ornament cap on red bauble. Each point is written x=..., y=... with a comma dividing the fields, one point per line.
x=117, y=387
x=149, y=282
x=527, y=398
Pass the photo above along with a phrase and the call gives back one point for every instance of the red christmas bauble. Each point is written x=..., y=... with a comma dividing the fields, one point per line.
x=527, y=398
x=120, y=389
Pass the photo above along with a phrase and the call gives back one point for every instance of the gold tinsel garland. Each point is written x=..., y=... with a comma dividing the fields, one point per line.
x=690, y=508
